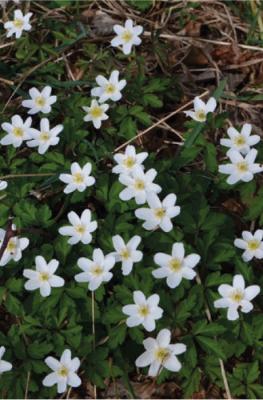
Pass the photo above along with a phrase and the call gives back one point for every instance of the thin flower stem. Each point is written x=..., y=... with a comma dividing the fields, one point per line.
x=93, y=330
x=27, y=384
x=222, y=367
x=11, y=176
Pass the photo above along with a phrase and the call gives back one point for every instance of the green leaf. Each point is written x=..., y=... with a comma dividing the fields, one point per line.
x=210, y=346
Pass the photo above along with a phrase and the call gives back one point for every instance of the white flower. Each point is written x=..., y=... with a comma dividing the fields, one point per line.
x=127, y=36
x=241, y=168
x=14, y=248
x=45, y=137
x=161, y=354
x=80, y=229
x=160, y=212
x=3, y=185
x=240, y=141
x=19, y=24
x=127, y=253
x=17, y=131
x=139, y=185
x=4, y=365
x=96, y=113
x=109, y=89
x=96, y=270
x=144, y=311
x=64, y=372
x=40, y=101
x=79, y=179
x=252, y=244
x=175, y=267
x=201, y=109
x=43, y=277
x=236, y=296
x=128, y=161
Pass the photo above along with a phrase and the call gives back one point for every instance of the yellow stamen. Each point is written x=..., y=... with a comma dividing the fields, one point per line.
x=63, y=371
x=126, y=36
x=253, y=244
x=144, y=311
x=125, y=254
x=96, y=112
x=11, y=246
x=110, y=88
x=18, y=132
x=159, y=212
x=129, y=162
x=80, y=229
x=175, y=264
x=40, y=101
x=44, y=136
x=237, y=296
x=18, y=23
x=44, y=276
x=139, y=184
x=78, y=178
x=161, y=354
x=200, y=115
x=242, y=166
x=239, y=141
x=97, y=270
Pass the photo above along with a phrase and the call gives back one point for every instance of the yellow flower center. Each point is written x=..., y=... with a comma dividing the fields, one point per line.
x=175, y=264
x=97, y=270
x=253, y=244
x=239, y=141
x=200, y=115
x=96, y=112
x=159, y=212
x=139, y=184
x=40, y=101
x=80, y=229
x=44, y=276
x=125, y=254
x=242, y=166
x=161, y=354
x=237, y=296
x=63, y=371
x=129, y=162
x=126, y=36
x=110, y=88
x=18, y=132
x=11, y=246
x=18, y=23
x=44, y=136
x=144, y=311
x=78, y=178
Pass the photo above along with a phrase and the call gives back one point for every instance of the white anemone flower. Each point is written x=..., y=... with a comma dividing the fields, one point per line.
x=14, y=248
x=240, y=141
x=160, y=353
x=252, y=244
x=45, y=137
x=144, y=312
x=19, y=24
x=17, y=132
x=159, y=213
x=236, y=297
x=241, y=168
x=176, y=266
x=40, y=101
x=127, y=253
x=139, y=185
x=96, y=113
x=3, y=185
x=80, y=229
x=79, y=179
x=109, y=89
x=97, y=270
x=201, y=109
x=127, y=161
x=64, y=372
x=127, y=36
x=43, y=277
x=4, y=365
